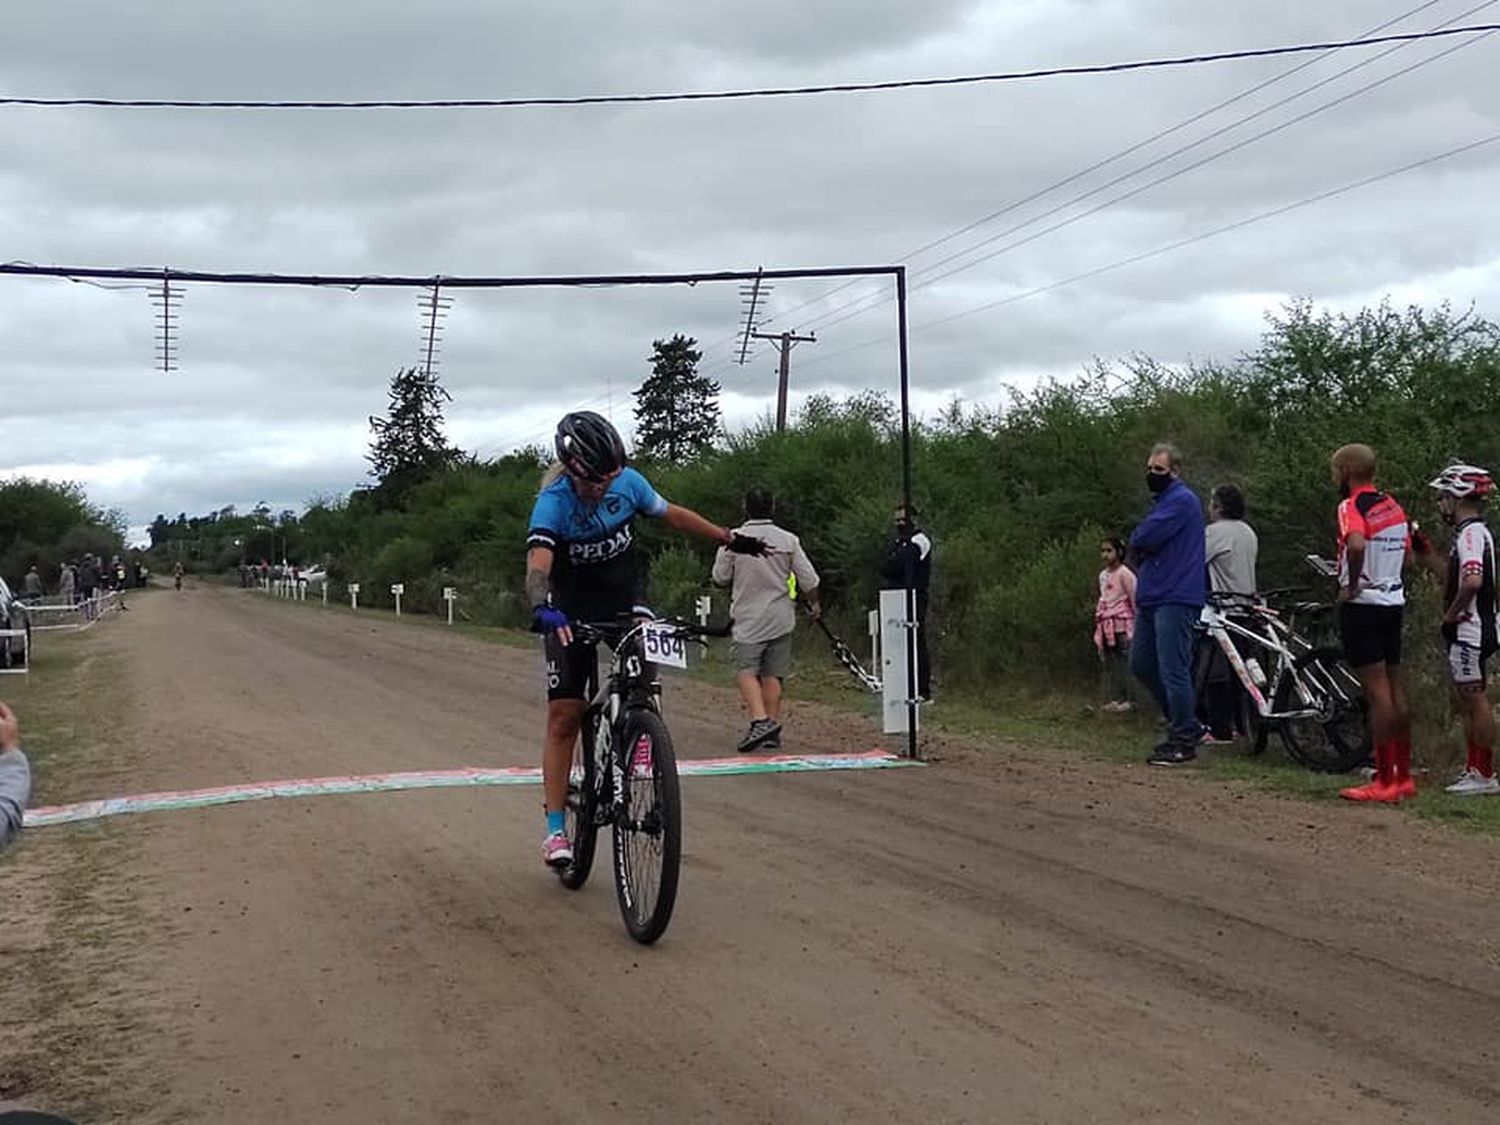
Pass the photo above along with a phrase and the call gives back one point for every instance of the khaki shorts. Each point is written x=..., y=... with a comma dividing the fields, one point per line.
x=764, y=658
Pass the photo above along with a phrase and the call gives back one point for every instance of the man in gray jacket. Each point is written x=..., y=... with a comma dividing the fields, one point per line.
x=15, y=776
x=765, y=615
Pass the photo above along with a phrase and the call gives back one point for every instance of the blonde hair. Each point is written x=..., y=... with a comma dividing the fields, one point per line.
x=551, y=476
x=1358, y=460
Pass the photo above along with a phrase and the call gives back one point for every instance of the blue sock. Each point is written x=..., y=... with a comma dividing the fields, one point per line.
x=556, y=822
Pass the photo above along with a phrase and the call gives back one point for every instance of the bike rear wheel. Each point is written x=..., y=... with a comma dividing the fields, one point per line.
x=1338, y=739
x=648, y=833
x=582, y=810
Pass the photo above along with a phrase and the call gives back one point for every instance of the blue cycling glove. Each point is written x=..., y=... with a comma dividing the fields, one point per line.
x=548, y=619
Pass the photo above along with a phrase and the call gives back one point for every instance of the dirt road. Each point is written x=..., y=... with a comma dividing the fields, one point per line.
x=1005, y=936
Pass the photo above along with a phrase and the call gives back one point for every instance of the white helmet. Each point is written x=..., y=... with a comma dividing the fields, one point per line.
x=1464, y=482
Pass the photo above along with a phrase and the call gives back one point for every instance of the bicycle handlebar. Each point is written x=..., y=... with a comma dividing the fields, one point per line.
x=627, y=623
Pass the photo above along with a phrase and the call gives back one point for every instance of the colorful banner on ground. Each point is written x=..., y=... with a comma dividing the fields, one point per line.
x=431, y=779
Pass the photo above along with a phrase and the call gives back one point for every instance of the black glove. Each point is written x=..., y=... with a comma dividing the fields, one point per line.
x=747, y=545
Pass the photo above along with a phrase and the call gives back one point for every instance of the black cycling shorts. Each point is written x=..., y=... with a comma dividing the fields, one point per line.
x=1371, y=634
x=570, y=669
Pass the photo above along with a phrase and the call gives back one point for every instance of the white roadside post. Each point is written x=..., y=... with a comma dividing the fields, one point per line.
x=874, y=626
x=450, y=595
x=898, y=654
x=705, y=609
x=398, y=589
x=354, y=595
x=325, y=589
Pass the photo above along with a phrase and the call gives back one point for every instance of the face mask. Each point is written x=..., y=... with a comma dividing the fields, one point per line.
x=1156, y=482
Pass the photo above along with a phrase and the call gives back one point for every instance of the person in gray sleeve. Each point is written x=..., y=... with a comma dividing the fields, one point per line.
x=765, y=615
x=15, y=776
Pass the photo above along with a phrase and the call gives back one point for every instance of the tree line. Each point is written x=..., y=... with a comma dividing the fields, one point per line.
x=1015, y=493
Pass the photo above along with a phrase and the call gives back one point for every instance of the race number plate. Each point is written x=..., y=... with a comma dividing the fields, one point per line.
x=664, y=645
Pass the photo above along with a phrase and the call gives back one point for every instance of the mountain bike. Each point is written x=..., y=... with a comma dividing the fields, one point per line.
x=1307, y=694
x=624, y=773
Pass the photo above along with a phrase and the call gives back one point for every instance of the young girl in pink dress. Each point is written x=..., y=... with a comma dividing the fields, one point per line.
x=1114, y=623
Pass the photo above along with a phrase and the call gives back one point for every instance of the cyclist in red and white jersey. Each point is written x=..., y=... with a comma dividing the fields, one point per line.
x=1374, y=543
x=1469, y=617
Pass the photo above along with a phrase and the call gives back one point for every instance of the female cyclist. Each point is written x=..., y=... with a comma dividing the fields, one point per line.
x=581, y=565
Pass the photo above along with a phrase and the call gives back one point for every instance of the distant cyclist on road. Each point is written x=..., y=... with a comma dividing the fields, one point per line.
x=581, y=565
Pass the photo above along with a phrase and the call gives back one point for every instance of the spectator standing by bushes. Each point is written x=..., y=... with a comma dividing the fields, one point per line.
x=31, y=585
x=908, y=559
x=1114, y=623
x=764, y=614
x=66, y=581
x=1230, y=550
x=1169, y=599
x=1469, y=624
x=88, y=584
x=1374, y=541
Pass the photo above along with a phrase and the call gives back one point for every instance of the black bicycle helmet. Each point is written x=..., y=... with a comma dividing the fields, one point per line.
x=588, y=445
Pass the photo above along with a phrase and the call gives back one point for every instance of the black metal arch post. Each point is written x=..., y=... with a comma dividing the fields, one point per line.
x=165, y=276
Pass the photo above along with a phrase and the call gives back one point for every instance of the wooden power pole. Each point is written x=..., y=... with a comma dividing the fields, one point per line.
x=784, y=342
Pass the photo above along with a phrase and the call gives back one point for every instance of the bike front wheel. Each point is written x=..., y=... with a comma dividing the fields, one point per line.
x=648, y=832
x=1338, y=738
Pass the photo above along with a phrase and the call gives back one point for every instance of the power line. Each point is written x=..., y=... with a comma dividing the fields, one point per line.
x=764, y=92
x=1134, y=259
x=848, y=311
x=1113, y=158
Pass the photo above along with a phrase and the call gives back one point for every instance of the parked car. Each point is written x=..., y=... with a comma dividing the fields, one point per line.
x=13, y=616
x=313, y=576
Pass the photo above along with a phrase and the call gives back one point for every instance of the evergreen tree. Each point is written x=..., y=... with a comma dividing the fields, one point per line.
x=676, y=409
x=409, y=445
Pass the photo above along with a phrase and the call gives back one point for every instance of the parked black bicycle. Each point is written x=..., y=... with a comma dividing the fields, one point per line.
x=624, y=774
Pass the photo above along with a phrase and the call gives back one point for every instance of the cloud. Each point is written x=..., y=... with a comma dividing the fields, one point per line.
x=274, y=386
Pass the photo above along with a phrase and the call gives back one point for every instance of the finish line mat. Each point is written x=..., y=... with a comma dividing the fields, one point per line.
x=433, y=779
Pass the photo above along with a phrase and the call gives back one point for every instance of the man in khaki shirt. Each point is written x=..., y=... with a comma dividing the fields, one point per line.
x=765, y=615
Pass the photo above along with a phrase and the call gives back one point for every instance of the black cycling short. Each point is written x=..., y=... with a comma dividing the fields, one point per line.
x=1371, y=634
x=570, y=669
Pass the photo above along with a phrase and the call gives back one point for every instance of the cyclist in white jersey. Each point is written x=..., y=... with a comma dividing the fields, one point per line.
x=1469, y=617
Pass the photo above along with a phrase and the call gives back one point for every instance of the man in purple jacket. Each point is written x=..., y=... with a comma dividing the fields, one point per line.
x=1169, y=595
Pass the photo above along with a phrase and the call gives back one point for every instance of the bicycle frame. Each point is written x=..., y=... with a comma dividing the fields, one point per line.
x=1282, y=644
x=630, y=682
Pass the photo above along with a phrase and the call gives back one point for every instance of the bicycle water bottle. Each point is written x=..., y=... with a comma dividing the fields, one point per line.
x=1256, y=672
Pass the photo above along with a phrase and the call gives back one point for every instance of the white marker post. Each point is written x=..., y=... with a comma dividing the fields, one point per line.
x=874, y=626
x=898, y=654
x=705, y=609
x=398, y=589
x=450, y=595
x=354, y=595
x=325, y=589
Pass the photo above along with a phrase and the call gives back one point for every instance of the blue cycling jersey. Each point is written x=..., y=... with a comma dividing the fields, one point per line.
x=595, y=571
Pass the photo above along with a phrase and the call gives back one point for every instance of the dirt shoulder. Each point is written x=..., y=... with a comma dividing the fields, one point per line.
x=1007, y=934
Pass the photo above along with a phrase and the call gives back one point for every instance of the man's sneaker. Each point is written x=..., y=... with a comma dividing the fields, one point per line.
x=557, y=850
x=1172, y=754
x=761, y=731
x=1472, y=783
x=1387, y=793
x=1406, y=788
x=771, y=745
x=1209, y=738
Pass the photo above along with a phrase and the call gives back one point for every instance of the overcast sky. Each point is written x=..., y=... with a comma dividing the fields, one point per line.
x=274, y=387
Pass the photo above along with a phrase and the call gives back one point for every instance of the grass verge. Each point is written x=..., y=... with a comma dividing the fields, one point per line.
x=74, y=921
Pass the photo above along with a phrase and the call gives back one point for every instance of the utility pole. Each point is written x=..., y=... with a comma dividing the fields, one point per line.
x=784, y=342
